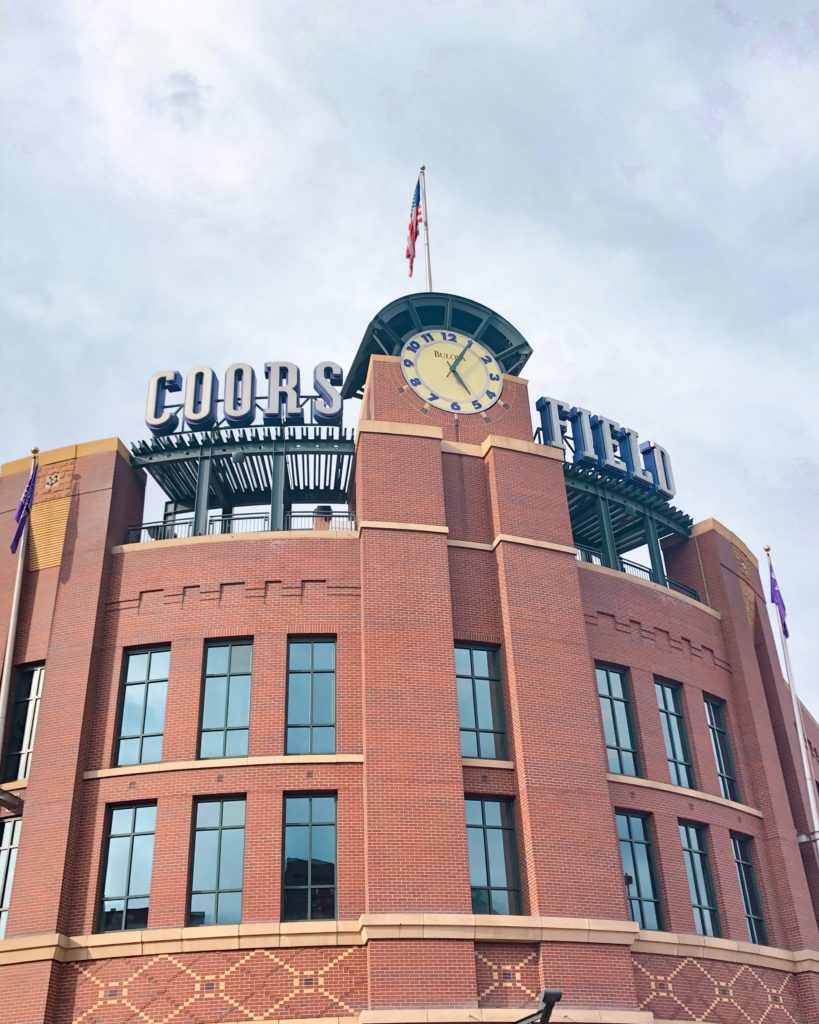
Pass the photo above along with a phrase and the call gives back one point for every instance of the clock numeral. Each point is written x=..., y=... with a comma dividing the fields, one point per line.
x=428, y=337
x=455, y=407
x=409, y=363
x=415, y=382
x=494, y=376
x=476, y=404
x=447, y=336
x=486, y=359
x=413, y=345
x=491, y=394
x=432, y=397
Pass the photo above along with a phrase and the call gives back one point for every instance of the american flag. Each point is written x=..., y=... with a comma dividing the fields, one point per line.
x=416, y=218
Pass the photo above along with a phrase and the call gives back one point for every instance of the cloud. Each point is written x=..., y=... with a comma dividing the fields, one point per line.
x=181, y=97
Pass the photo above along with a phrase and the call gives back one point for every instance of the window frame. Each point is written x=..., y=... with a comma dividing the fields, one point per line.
x=309, y=795
x=221, y=799
x=742, y=849
x=625, y=701
x=104, y=860
x=496, y=689
x=700, y=909
x=513, y=886
x=680, y=769
x=36, y=673
x=721, y=746
x=210, y=644
x=9, y=847
x=648, y=845
x=310, y=726
x=127, y=654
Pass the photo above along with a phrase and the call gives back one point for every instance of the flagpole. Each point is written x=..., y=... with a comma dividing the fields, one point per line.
x=423, y=176
x=5, y=679
x=813, y=836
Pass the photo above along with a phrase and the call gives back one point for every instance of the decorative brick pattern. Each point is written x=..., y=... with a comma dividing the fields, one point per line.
x=709, y=990
x=203, y=988
x=507, y=974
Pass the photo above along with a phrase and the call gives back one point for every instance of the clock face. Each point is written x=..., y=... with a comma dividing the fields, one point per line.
x=451, y=371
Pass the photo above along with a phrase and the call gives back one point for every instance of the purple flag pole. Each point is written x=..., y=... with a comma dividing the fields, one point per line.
x=18, y=545
x=813, y=810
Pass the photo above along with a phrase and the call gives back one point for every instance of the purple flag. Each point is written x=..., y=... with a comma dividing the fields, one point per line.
x=776, y=598
x=23, y=509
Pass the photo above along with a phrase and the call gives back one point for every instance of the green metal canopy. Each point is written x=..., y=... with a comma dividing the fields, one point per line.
x=390, y=328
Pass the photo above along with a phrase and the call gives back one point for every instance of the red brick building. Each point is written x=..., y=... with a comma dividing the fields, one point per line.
x=413, y=769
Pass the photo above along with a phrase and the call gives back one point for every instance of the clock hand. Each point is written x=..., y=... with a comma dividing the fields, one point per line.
x=459, y=378
x=460, y=357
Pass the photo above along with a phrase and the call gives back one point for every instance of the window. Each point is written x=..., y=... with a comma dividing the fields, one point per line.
x=311, y=696
x=142, y=721
x=480, y=702
x=218, y=861
x=621, y=745
x=492, y=859
x=669, y=698
x=226, y=699
x=715, y=710
x=703, y=901
x=23, y=722
x=309, y=857
x=638, y=869
x=747, y=883
x=129, y=856
x=9, y=842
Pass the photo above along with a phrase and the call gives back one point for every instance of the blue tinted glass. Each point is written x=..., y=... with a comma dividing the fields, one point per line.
x=492, y=812
x=137, y=667
x=204, y=859
x=324, y=656
x=145, y=818
x=241, y=658
x=231, y=862
x=233, y=812
x=298, y=741
x=236, y=743
x=298, y=699
x=229, y=908
x=141, y=864
x=324, y=809
x=480, y=662
x=239, y=701
x=324, y=700
x=324, y=741
x=151, y=749
x=477, y=856
x=160, y=663
x=466, y=705
x=469, y=744
x=116, y=871
x=207, y=814
x=298, y=657
x=463, y=662
x=497, y=856
x=297, y=809
x=473, y=812
x=213, y=709
x=211, y=744
x=122, y=819
x=203, y=908
x=155, y=708
x=217, y=661
x=132, y=707
x=128, y=752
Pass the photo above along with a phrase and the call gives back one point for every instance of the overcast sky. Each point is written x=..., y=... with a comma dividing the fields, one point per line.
x=632, y=184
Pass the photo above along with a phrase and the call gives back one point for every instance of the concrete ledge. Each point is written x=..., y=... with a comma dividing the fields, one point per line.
x=13, y=787
x=398, y=429
x=688, y=794
x=502, y=1015
x=222, y=762
x=512, y=444
x=486, y=762
x=508, y=538
x=714, y=525
x=375, y=524
x=654, y=586
x=70, y=451
x=384, y=927
x=233, y=538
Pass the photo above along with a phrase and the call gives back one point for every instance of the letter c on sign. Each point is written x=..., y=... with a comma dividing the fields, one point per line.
x=159, y=420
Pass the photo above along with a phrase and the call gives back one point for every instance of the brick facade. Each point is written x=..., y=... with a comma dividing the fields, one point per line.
x=463, y=535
